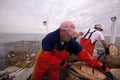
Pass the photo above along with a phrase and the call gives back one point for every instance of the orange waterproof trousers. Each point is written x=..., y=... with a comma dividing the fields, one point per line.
x=86, y=44
x=48, y=61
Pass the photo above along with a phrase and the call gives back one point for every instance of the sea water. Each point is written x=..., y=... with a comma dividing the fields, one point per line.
x=12, y=39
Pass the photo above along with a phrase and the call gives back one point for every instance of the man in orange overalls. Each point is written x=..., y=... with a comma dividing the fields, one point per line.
x=90, y=36
x=56, y=47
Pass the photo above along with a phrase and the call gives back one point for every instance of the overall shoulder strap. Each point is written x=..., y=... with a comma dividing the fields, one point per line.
x=92, y=33
x=87, y=33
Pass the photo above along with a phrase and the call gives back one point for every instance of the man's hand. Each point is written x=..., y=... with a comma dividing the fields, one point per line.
x=68, y=66
x=109, y=75
x=107, y=51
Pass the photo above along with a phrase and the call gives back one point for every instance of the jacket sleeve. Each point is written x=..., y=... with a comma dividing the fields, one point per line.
x=86, y=57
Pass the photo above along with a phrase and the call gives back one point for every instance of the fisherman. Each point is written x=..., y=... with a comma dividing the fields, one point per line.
x=90, y=37
x=56, y=47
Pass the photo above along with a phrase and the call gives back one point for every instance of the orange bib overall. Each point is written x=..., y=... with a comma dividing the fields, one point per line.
x=86, y=43
x=48, y=61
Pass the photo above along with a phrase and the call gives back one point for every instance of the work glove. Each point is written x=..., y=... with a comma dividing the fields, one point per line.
x=104, y=68
x=65, y=72
x=68, y=66
x=107, y=51
x=109, y=75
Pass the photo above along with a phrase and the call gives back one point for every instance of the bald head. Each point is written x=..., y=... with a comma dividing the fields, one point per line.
x=68, y=26
x=67, y=23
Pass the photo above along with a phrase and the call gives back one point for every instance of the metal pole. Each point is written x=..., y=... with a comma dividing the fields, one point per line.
x=113, y=30
x=46, y=24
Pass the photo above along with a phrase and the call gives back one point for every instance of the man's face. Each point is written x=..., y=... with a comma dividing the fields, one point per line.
x=65, y=36
x=66, y=30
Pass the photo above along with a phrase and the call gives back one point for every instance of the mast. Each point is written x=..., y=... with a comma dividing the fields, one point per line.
x=113, y=30
x=46, y=23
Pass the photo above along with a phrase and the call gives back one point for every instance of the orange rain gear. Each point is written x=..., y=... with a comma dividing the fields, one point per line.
x=49, y=61
x=89, y=59
x=86, y=44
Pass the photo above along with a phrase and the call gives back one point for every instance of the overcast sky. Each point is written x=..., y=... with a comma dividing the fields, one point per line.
x=27, y=16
